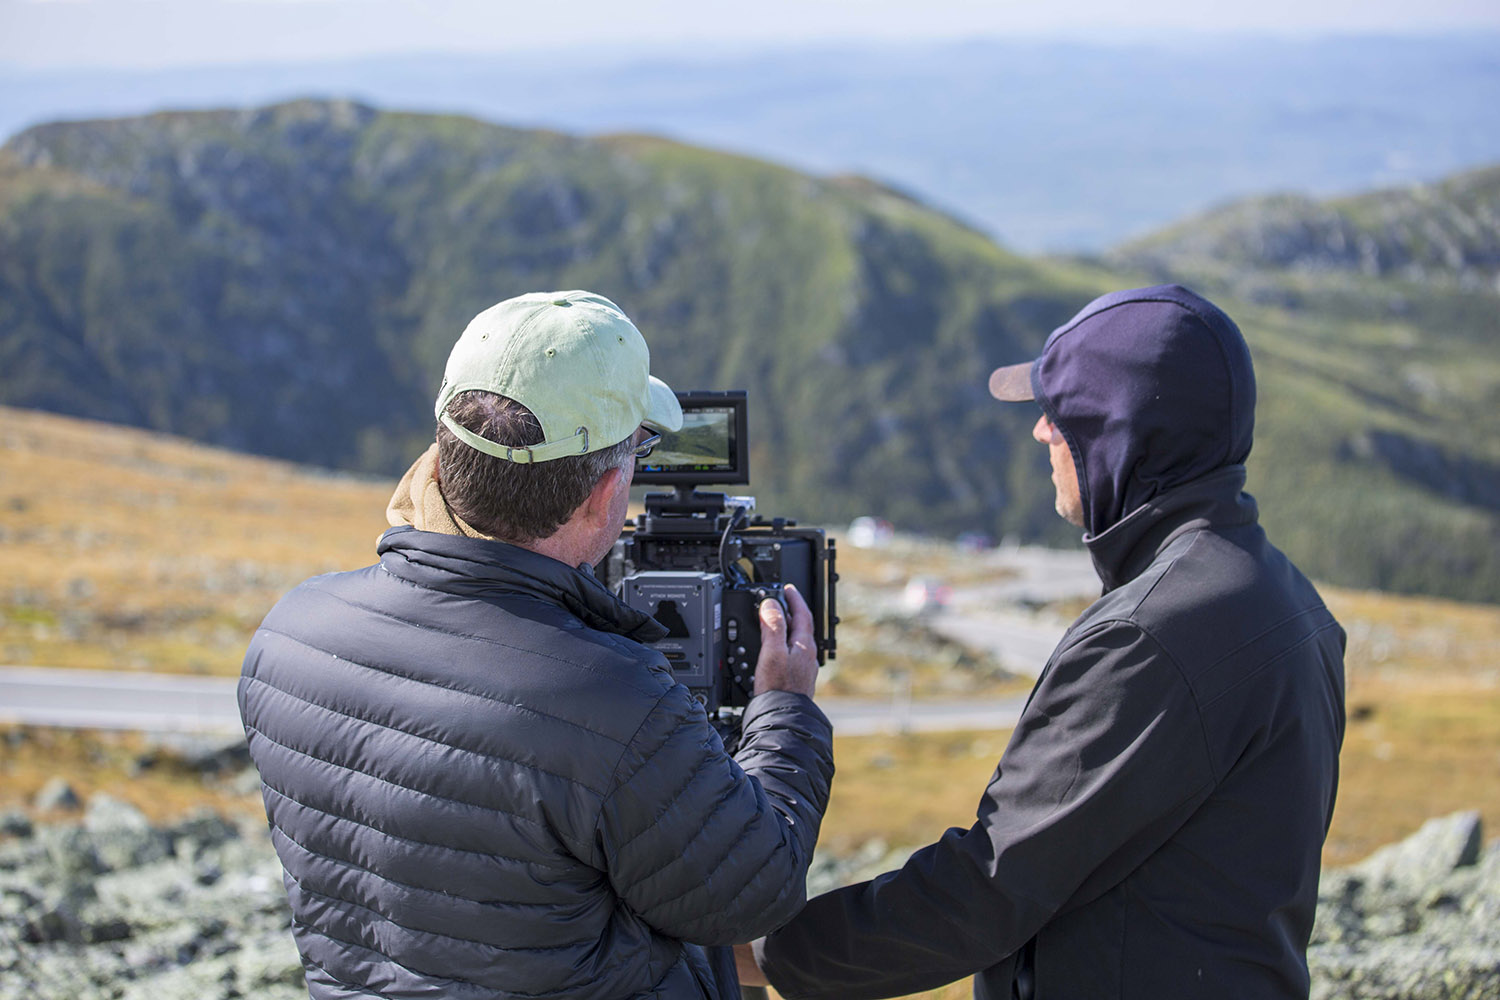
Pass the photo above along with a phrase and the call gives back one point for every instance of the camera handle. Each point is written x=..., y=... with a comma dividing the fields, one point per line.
x=684, y=501
x=689, y=512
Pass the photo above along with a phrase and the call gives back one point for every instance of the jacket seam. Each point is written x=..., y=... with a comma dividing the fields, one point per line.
x=497, y=904
x=508, y=588
x=1264, y=665
x=430, y=683
x=427, y=739
x=344, y=982
x=666, y=808
x=1189, y=534
x=416, y=972
x=386, y=781
x=1182, y=677
x=1197, y=533
x=744, y=884
x=1268, y=630
x=614, y=782
x=356, y=904
x=406, y=840
x=673, y=859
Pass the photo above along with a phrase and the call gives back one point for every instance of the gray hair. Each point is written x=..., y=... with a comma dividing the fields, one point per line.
x=515, y=502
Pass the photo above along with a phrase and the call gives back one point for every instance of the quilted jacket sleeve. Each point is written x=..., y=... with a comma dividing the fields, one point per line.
x=708, y=848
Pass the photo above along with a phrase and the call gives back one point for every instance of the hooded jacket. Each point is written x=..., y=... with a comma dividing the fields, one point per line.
x=483, y=787
x=1155, y=824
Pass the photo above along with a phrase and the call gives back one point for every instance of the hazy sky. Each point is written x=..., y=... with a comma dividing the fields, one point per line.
x=161, y=33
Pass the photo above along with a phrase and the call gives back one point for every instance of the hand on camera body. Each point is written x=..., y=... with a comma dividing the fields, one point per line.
x=788, y=655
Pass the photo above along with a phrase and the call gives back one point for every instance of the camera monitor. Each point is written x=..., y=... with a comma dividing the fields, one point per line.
x=712, y=447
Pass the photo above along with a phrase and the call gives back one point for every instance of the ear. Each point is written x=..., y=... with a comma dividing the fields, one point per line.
x=596, y=508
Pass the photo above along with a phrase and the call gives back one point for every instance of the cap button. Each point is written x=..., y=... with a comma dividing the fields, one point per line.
x=561, y=302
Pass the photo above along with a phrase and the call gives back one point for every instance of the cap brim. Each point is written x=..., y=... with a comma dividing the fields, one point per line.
x=663, y=412
x=1012, y=383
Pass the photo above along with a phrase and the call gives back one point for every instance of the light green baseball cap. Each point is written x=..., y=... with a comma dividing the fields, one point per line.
x=572, y=358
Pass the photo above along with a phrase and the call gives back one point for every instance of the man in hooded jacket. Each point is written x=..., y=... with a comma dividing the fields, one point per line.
x=1154, y=827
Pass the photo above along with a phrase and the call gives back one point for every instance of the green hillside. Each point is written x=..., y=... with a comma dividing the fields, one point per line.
x=1375, y=323
x=288, y=281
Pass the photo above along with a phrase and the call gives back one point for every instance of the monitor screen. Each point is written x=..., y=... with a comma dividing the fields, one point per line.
x=710, y=447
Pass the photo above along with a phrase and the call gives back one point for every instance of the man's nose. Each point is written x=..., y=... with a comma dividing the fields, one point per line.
x=1042, y=432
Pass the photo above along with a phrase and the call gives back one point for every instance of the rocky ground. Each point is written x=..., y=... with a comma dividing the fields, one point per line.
x=1418, y=920
x=113, y=907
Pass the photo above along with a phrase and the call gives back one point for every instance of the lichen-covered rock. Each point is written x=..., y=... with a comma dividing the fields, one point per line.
x=115, y=908
x=122, y=836
x=57, y=794
x=14, y=823
x=1418, y=920
x=828, y=872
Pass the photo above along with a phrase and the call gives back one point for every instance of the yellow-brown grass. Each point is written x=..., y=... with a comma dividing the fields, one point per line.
x=131, y=550
x=122, y=765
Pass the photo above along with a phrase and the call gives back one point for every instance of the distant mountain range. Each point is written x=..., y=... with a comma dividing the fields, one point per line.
x=1445, y=235
x=288, y=280
x=1047, y=146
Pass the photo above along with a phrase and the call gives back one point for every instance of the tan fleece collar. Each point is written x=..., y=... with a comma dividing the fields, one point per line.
x=418, y=501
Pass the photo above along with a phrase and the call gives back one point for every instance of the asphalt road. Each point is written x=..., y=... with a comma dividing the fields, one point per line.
x=108, y=699
x=1002, y=618
x=102, y=699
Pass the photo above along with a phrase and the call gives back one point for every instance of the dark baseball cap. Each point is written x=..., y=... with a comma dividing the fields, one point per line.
x=1012, y=383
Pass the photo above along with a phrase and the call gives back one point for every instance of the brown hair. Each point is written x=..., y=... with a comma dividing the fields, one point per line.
x=508, y=500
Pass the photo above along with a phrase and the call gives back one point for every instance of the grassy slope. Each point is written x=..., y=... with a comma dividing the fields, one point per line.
x=129, y=550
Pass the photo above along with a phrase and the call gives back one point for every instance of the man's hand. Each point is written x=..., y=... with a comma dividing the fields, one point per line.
x=788, y=659
x=744, y=963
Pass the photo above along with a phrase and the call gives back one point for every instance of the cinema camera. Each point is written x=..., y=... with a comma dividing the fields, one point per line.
x=700, y=563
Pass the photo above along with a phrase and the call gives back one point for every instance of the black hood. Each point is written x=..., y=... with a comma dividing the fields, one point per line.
x=1153, y=389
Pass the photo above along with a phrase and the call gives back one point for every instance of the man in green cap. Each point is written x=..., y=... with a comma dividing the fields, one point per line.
x=480, y=783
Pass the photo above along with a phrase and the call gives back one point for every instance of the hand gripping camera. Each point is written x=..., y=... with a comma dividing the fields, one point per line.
x=701, y=563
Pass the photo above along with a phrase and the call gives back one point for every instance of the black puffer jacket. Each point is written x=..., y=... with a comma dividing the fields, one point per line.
x=481, y=787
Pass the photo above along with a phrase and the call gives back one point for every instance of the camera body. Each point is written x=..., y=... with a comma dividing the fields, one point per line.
x=701, y=563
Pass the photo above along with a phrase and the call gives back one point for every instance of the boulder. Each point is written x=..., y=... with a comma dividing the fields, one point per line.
x=122, y=836
x=1418, y=920
x=57, y=794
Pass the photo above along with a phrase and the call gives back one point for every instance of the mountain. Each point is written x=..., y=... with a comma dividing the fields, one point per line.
x=1046, y=144
x=1446, y=235
x=288, y=280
